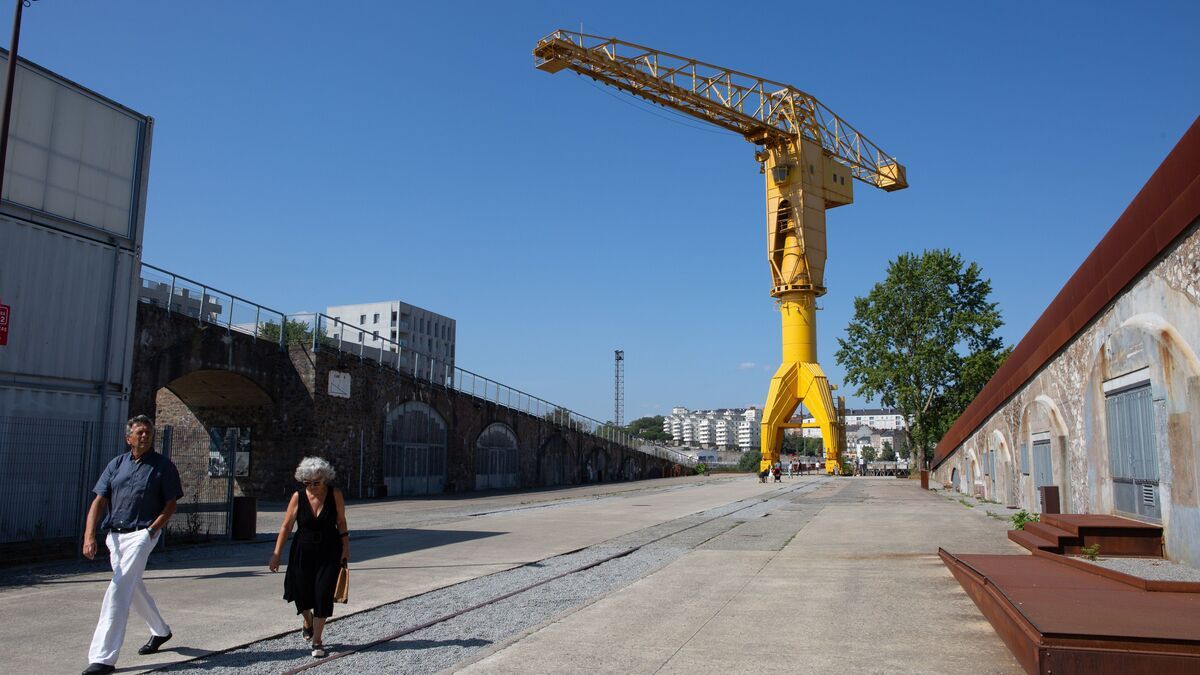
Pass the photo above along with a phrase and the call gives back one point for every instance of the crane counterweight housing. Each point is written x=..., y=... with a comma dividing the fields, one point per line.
x=811, y=158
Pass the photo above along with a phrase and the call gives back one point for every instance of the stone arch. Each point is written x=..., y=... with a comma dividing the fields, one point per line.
x=1003, y=478
x=631, y=469
x=414, y=455
x=954, y=479
x=497, y=458
x=974, y=473
x=552, y=462
x=218, y=427
x=595, y=467
x=1042, y=415
x=1148, y=340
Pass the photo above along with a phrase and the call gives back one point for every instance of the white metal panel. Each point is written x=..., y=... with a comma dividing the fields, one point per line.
x=72, y=153
x=64, y=294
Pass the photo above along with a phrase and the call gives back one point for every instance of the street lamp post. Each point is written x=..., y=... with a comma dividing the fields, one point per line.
x=8, y=88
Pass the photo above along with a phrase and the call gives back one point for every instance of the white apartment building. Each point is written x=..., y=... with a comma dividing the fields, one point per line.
x=880, y=419
x=721, y=428
x=406, y=328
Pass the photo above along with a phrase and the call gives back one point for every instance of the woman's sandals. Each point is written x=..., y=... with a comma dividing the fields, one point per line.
x=318, y=651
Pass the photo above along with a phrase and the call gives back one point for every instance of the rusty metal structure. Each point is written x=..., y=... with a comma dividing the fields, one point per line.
x=810, y=157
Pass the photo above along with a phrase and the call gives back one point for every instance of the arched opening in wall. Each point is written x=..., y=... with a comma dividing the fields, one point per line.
x=1003, y=470
x=1042, y=449
x=497, y=458
x=654, y=472
x=550, y=462
x=414, y=450
x=631, y=469
x=974, y=485
x=217, y=427
x=954, y=479
x=595, y=468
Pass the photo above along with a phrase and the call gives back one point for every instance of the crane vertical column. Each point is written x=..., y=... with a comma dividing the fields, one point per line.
x=619, y=388
x=801, y=183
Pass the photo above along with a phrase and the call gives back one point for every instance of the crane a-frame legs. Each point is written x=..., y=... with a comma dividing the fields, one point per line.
x=799, y=380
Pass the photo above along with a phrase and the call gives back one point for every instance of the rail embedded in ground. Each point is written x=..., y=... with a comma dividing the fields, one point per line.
x=206, y=304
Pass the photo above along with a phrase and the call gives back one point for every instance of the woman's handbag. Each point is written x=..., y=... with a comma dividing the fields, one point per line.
x=341, y=591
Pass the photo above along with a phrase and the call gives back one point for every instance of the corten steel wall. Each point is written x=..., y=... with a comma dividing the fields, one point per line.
x=1160, y=212
x=1147, y=333
x=220, y=378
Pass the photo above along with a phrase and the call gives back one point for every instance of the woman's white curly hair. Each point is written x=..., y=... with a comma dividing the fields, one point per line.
x=311, y=468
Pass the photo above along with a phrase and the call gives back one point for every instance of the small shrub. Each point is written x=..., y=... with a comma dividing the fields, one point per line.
x=1091, y=552
x=701, y=468
x=1021, y=517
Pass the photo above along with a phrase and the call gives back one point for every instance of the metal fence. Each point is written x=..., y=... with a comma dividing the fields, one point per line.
x=50, y=466
x=207, y=460
x=321, y=331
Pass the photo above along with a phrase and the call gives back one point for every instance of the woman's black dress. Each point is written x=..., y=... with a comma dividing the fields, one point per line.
x=315, y=558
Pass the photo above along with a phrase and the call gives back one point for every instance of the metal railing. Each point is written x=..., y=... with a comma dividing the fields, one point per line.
x=321, y=331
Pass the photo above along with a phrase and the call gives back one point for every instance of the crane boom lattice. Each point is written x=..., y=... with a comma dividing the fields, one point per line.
x=762, y=111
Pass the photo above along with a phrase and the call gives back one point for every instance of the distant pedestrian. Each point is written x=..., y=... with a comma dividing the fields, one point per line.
x=778, y=473
x=762, y=475
x=319, y=550
x=136, y=496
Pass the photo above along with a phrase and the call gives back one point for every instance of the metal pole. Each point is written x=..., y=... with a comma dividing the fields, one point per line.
x=8, y=89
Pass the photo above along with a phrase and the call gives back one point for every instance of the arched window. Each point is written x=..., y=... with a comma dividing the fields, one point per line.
x=414, y=461
x=497, y=458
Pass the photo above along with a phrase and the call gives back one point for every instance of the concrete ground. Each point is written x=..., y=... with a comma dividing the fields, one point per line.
x=858, y=589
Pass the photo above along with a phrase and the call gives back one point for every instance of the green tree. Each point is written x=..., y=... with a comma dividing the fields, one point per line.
x=869, y=454
x=888, y=453
x=750, y=460
x=649, y=428
x=294, y=332
x=923, y=341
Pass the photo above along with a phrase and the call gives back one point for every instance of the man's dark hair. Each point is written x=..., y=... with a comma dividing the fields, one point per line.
x=138, y=419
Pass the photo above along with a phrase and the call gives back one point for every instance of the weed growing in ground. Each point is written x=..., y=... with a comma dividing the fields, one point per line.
x=1090, y=552
x=966, y=503
x=1021, y=517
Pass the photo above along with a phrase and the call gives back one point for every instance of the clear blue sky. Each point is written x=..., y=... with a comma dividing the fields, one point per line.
x=310, y=154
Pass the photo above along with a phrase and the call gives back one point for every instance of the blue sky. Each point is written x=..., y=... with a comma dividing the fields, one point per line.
x=310, y=154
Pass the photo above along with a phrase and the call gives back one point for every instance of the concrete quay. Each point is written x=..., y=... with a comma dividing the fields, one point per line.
x=829, y=575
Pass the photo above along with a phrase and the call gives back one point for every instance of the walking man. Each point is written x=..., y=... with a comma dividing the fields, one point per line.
x=136, y=496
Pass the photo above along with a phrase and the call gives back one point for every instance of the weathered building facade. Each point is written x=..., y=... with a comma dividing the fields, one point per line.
x=1102, y=397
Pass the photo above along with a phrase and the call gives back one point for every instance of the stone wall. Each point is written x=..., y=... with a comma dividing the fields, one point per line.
x=1153, y=325
x=194, y=376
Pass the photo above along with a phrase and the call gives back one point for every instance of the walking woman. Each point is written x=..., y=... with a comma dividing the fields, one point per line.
x=319, y=549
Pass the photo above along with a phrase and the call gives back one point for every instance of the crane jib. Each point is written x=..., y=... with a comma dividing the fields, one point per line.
x=762, y=111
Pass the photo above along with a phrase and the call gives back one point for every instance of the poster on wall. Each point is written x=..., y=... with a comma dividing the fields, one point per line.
x=225, y=442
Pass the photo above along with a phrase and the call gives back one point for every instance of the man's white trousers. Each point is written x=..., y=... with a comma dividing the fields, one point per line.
x=128, y=554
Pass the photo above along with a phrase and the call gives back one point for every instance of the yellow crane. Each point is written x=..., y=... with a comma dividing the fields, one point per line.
x=811, y=158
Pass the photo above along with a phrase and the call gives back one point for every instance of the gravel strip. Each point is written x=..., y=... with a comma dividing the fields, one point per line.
x=447, y=643
x=1153, y=569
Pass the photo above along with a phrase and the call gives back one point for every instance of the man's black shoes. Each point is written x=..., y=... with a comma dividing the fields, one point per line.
x=155, y=642
x=96, y=668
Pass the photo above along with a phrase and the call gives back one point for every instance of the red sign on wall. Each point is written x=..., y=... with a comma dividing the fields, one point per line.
x=3, y=325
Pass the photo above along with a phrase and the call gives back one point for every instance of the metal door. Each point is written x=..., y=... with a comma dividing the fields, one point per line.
x=1133, y=451
x=1043, y=465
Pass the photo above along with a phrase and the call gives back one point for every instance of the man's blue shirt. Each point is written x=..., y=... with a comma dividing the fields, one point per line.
x=137, y=490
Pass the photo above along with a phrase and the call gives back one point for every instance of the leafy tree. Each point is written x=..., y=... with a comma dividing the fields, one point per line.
x=923, y=341
x=887, y=454
x=294, y=332
x=649, y=428
x=750, y=461
x=869, y=454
